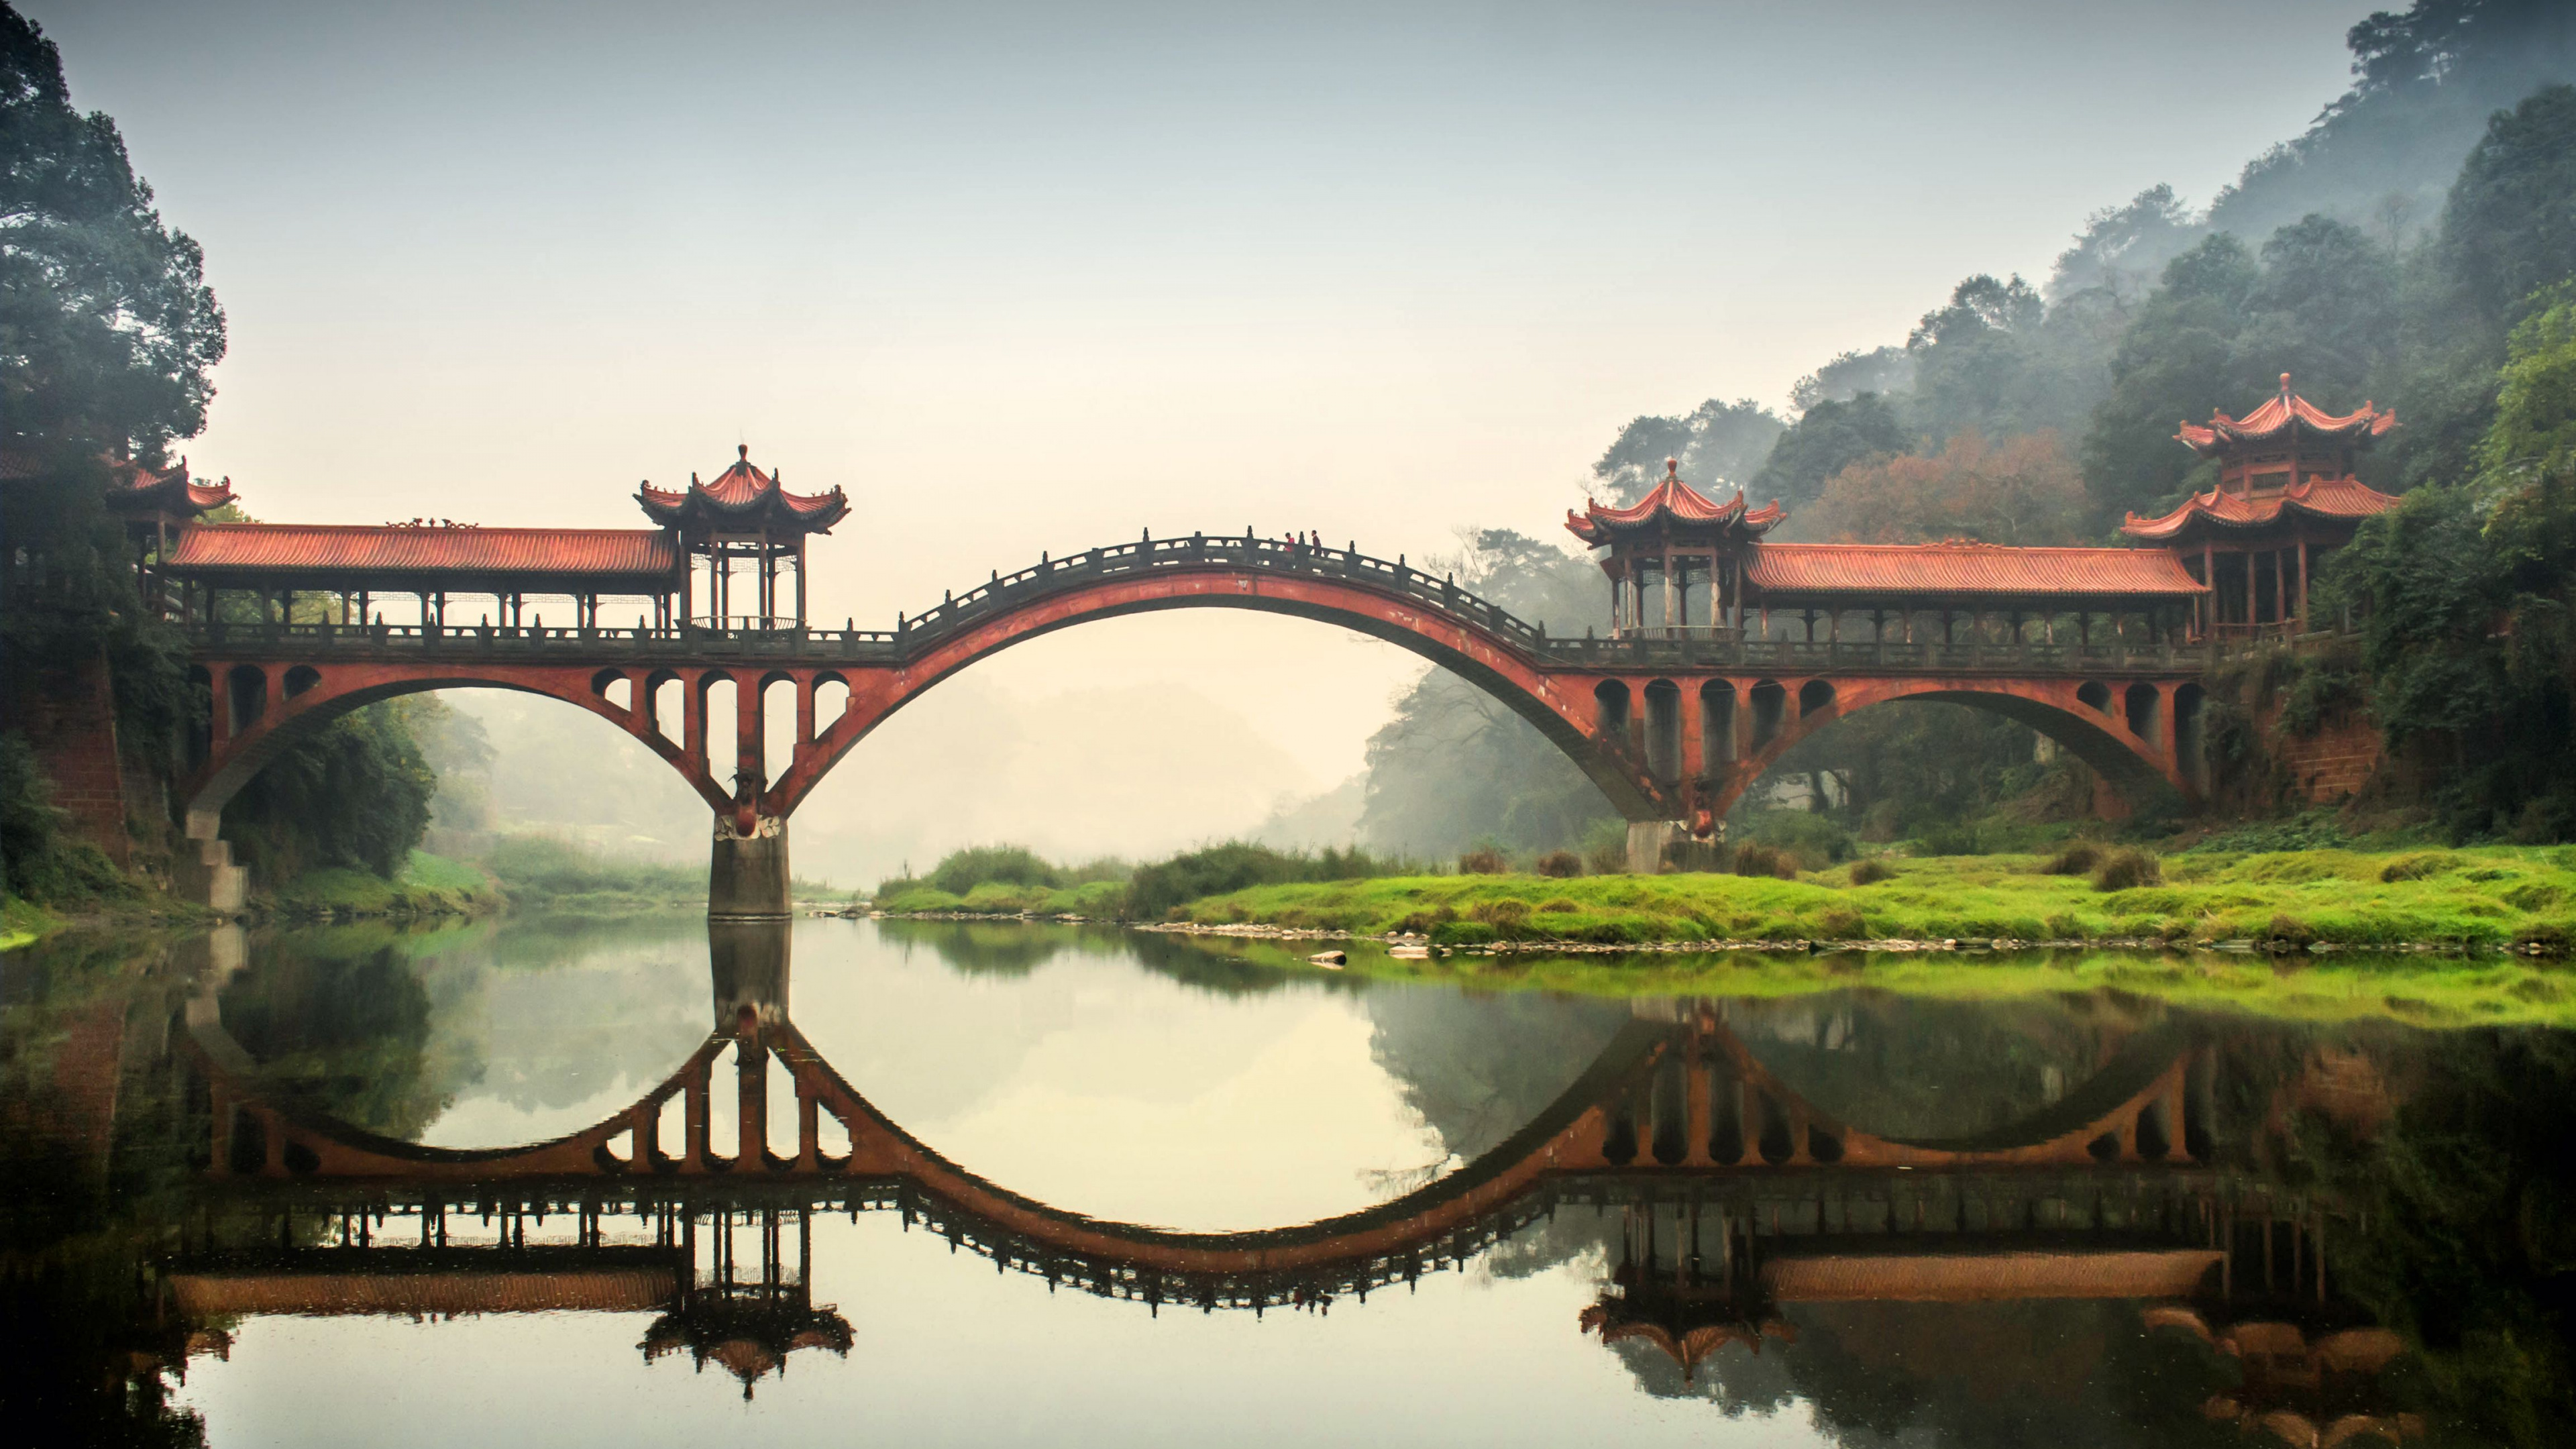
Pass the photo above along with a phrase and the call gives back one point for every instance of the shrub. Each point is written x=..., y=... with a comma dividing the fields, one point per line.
x=1217, y=869
x=1560, y=864
x=1870, y=872
x=2418, y=865
x=1509, y=917
x=1759, y=859
x=963, y=870
x=1559, y=906
x=1484, y=860
x=2078, y=858
x=1841, y=924
x=1954, y=840
x=1462, y=933
x=1423, y=923
x=2289, y=932
x=2126, y=869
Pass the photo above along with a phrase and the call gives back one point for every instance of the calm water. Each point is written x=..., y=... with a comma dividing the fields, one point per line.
x=971, y=1184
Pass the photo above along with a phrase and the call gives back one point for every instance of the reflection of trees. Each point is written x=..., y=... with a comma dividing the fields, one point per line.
x=2470, y=1193
x=346, y=1028
x=86, y=1195
x=1920, y=1069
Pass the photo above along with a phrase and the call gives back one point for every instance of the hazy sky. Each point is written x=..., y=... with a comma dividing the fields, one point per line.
x=1038, y=276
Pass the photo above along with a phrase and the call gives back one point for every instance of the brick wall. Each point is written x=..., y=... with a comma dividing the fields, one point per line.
x=70, y=720
x=2332, y=764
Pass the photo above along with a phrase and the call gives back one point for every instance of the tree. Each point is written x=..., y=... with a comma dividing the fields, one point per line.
x=2509, y=227
x=1879, y=370
x=1830, y=437
x=1720, y=444
x=2023, y=490
x=2123, y=248
x=2425, y=82
x=107, y=329
x=2468, y=639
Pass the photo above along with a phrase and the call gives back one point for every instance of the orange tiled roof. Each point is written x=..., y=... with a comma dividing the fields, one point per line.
x=1959, y=567
x=2344, y=499
x=743, y=497
x=1672, y=501
x=2280, y=415
x=170, y=490
x=216, y=551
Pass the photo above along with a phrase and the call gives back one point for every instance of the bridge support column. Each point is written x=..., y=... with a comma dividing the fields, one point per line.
x=747, y=876
x=1646, y=842
x=203, y=872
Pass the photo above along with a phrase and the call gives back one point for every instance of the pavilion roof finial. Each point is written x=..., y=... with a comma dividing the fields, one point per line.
x=2285, y=386
x=742, y=451
x=1672, y=467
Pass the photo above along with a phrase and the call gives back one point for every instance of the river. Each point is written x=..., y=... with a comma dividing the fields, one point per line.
x=935, y=1183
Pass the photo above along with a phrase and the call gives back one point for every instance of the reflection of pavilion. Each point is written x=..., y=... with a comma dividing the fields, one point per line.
x=1740, y=1198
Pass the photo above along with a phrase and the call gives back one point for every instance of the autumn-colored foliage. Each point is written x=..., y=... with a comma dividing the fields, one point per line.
x=2023, y=490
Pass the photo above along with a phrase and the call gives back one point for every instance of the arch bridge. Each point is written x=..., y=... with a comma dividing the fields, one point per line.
x=1673, y=725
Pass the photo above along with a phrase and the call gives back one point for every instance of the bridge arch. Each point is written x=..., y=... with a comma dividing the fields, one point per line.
x=1579, y=714
x=255, y=728
x=2078, y=715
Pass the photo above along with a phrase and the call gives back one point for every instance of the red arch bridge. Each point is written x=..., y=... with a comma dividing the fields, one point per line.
x=1673, y=724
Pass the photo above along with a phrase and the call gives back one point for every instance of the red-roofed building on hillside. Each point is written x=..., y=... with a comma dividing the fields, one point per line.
x=2286, y=496
x=1665, y=540
x=742, y=515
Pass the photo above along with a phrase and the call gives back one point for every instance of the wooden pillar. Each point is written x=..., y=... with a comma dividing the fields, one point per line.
x=1670, y=593
x=2248, y=556
x=748, y=765
x=801, y=540
x=688, y=584
x=2303, y=582
x=2206, y=606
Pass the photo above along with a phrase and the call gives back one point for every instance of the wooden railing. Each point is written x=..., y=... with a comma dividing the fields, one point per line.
x=915, y=634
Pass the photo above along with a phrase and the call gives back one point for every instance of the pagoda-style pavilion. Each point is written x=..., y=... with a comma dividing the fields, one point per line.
x=1667, y=538
x=1675, y=534
x=742, y=514
x=2286, y=496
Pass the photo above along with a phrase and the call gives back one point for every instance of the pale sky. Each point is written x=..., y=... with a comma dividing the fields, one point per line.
x=1036, y=277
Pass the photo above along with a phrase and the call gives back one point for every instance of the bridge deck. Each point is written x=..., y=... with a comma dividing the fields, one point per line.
x=917, y=635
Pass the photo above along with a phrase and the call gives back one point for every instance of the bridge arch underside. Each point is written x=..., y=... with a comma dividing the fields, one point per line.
x=255, y=721
x=1561, y=710
x=2135, y=734
x=1676, y=1102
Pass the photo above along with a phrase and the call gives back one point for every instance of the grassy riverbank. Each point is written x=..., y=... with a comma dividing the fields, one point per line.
x=2484, y=896
x=429, y=885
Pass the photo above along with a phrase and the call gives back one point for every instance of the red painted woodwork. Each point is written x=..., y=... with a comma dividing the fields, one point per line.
x=1564, y=700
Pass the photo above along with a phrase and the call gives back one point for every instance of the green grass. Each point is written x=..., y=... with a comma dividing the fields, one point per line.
x=539, y=872
x=429, y=885
x=25, y=921
x=2496, y=991
x=2483, y=896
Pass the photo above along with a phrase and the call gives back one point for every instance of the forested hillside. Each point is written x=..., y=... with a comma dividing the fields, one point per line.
x=2388, y=254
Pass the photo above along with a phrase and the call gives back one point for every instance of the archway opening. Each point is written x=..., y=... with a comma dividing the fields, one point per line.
x=2095, y=696
x=1610, y=714
x=246, y=696
x=778, y=733
x=720, y=706
x=1815, y=696
x=301, y=678
x=1664, y=729
x=613, y=686
x=2141, y=711
x=1770, y=711
x=831, y=701
x=666, y=701
x=1717, y=722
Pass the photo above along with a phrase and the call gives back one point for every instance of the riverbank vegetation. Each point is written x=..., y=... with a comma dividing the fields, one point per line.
x=1011, y=880
x=2484, y=897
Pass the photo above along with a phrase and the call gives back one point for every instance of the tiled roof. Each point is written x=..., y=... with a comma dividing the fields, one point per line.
x=2280, y=415
x=421, y=1294
x=210, y=550
x=1672, y=501
x=2343, y=499
x=137, y=487
x=743, y=497
x=1963, y=568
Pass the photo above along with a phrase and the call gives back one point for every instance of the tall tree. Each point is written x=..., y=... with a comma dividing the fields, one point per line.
x=107, y=329
x=1718, y=444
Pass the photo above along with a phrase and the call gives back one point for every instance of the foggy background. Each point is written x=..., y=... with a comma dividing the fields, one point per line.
x=1024, y=278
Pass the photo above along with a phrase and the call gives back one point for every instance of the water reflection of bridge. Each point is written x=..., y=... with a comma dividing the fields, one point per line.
x=2108, y=1191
